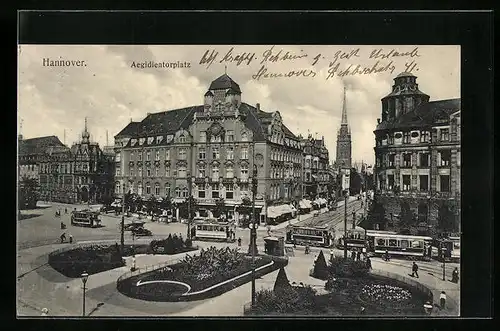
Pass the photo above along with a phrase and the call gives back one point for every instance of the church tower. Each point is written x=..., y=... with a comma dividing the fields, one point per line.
x=344, y=145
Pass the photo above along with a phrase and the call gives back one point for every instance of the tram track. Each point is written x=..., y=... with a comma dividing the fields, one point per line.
x=332, y=218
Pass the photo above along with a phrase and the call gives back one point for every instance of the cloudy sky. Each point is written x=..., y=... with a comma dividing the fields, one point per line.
x=110, y=89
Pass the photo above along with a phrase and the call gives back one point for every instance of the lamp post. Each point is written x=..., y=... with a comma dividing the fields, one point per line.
x=122, y=228
x=346, y=195
x=253, y=231
x=354, y=220
x=444, y=260
x=85, y=277
x=189, y=181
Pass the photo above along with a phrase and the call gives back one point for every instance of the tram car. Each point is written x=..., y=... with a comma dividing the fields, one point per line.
x=85, y=218
x=356, y=239
x=319, y=236
x=220, y=231
x=447, y=248
x=397, y=245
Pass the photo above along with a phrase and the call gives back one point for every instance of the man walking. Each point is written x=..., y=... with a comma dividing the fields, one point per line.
x=414, y=270
x=442, y=299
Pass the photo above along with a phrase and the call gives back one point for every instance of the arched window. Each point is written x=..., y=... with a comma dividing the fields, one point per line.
x=184, y=192
x=182, y=138
x=167, y=190
x=148, y=188
x=139, y=189
x=244, y=136
x=177, y=192
x=157, y=189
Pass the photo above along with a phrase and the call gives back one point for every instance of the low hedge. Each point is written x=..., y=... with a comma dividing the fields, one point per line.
x=128, y=287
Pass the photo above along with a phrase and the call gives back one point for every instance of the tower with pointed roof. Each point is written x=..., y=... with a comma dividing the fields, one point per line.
x=344, y=144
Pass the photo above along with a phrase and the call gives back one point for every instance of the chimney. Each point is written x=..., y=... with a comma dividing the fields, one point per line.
x=378, y=120
x=258, y=106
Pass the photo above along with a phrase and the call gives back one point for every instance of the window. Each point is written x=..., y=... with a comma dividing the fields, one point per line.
x=178, y=192
x=169, y=138
x=393, y=243
x=185, y=192
x=140, y=171
x=167, y=171
x=167, y=190
x=444, y=183
x=157, y=189
x=229, y=172
x=132, y=173
x=406, y=182
x=230, y=153
x=229, y=191
x=139, y=156
x=148, y=188
x=391, y=158
x=308, y=163
x=203, y=137
x=445, y=134
x=201, y=192
x=244, y=153
x=390, y=139
x=118, y=172
x=390, y=179
x=117, y=158
x=157, y=172
x=215, y=191
x=182, y=138
x=406, y=137
x=424, y=159
x=230, y=136
x=201, y=153
x=244, y=136
x=424, y=136
x=167, y=154
x=201, y=171
x=244, y=172
x=424, y=182
x=131, y=156
x=157, y=156
x=215, y=173
x=117, y=188
x=148, y=172
x=148, y=156
x=182, y=153
x=244, y=189
x=182, y=172
x=215, y=153
x=406, y=160
x=445, y=158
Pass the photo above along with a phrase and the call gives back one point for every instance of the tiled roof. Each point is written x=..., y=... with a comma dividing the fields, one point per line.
x=38, y=145
x=427, y=114
x=224, y=82
x=129, y=130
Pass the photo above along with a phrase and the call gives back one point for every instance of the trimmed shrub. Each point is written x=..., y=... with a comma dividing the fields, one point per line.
x=347, y=268
x=320, y=270
x=297, y=300
x=171, y=245
x=282, y=283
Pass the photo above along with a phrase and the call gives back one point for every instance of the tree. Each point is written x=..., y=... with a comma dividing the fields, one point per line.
x=219, y=209
x=320, y=270
x=28, y=193
x=355, y=181
x=151, y=204
x=282, y=284
x=107, y=200
x=166, y=203
x=376, y=214
x=184, y=207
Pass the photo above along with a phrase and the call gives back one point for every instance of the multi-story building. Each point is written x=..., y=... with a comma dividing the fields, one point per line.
x=417, y=154
x=316, y=162
x=213, y=147
x=82, y=173
x=31, y=151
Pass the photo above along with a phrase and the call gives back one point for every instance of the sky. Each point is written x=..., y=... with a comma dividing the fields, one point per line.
x=110, y=88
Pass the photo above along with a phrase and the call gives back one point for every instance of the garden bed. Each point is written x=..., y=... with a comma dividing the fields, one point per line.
x=201, y=274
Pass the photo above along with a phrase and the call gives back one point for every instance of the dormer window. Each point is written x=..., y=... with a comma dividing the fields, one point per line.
x=141, y=141
x=169, y=138
x=159, y=139
x=244, y=136
x=219, y=107
x=150, y=140
x=182, y=138
x=133, y=142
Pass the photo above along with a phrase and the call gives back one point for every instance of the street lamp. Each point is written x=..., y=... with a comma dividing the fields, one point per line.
x=189, y=181
x=253, y=231
x=122, y=230
x=346, y=196
x=85, y=277
x=444, y=260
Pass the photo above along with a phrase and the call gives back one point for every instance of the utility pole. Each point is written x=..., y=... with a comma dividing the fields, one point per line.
x=346, y=196
x=189, y=179
x=353, y=219
x=122, y=228
x=253, y=232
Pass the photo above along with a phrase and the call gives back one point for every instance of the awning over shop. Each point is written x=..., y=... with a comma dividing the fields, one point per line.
x=276, y=211
x=305, y=204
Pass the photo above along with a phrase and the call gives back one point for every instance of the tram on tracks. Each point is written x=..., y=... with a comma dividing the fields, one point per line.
x=219, y=231
x=319, y=236
x=87, y=218
x=406, y=246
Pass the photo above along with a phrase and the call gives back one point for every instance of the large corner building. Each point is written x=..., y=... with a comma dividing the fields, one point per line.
x=418, y=158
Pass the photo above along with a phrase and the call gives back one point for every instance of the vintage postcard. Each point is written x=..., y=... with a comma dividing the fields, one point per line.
x=238, y=180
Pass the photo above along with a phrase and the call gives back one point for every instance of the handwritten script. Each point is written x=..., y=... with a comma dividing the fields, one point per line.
x=338, y=63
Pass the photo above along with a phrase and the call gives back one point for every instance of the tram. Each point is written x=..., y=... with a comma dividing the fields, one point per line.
x=222, y=231
x=398, y=245
x=85, y=218
x=356, y=239
x=448, y=248
x=320, y=236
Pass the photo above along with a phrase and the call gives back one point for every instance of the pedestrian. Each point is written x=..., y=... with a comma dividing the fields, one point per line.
x=454, y=275
x=386, y=255
x=294, y=243
x=358, y=256
x=65, y=210
x=70, y=238
x=369, y=263
x=331, y=255
x=268, y=230
x=45, y=312
x=353, y=255
x=63, y=237
x=239, y=241
x=414, y=270
x=442, y=299
x=428, y=307
x=362, y=311
x=133, y=263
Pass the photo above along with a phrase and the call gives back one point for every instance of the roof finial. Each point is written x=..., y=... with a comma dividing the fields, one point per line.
x=85, y=123
x=225, y=69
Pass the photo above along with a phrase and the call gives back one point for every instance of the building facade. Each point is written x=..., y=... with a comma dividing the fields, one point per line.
x=417, y=153
x=80, y=174
x=31, y=152
x=209, y=151
x=316, y=163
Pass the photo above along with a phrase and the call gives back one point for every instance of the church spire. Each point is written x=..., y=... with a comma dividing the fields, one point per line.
x=344, y=109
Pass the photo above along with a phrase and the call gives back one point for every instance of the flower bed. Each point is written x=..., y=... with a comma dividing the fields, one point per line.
x=200, y=272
